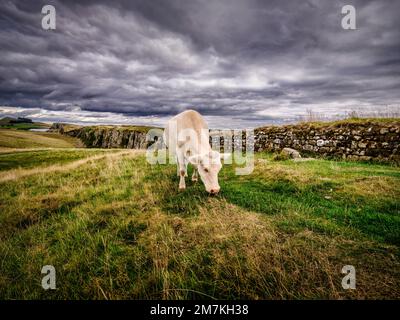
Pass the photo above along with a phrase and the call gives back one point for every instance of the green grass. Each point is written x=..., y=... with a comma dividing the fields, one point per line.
x=334, y=192
x=116, y=227
x=25, y=126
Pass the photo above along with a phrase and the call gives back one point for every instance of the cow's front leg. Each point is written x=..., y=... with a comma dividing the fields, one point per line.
x=182, y=184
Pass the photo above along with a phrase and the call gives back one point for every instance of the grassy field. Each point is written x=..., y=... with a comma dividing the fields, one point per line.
x=15, y=160
x=116, y=227
x=17, y=139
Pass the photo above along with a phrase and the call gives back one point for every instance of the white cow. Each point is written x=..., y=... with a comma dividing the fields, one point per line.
x=187, y=138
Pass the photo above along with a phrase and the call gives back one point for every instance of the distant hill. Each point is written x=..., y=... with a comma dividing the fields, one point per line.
x=21, y=123
x=21, y=120
x=6, y=120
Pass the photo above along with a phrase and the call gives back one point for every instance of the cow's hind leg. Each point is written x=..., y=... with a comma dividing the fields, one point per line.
x=186, y=166
x=194, y=175
x=182, y=173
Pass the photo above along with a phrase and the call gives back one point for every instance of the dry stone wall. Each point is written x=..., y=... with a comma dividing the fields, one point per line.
x=358, y=140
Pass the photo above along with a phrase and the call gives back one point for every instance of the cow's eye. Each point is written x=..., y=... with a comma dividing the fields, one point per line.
x=205, y=169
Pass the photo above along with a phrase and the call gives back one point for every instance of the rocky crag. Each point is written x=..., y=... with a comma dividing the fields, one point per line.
x=106, y=136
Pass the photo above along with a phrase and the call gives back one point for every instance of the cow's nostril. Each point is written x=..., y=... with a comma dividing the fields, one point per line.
x=214, y=191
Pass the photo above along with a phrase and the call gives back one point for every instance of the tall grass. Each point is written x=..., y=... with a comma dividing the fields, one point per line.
x=381, y=112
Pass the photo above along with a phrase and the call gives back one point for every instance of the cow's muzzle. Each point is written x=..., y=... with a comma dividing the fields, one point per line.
x=214, y=191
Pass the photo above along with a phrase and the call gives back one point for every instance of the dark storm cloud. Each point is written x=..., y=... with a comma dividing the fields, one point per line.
x=248, y=61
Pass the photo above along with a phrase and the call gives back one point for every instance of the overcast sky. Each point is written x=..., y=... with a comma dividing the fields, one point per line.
x=241, y=63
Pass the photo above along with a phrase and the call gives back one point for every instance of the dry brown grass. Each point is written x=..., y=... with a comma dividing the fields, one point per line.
x=250, y=257
x=275, y=171
x=28, y=139
x=373, y=186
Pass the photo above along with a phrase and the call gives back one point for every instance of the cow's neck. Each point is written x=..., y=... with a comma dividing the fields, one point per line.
x=203, y=145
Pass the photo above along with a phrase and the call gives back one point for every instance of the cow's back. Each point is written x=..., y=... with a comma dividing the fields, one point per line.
x=189, y=119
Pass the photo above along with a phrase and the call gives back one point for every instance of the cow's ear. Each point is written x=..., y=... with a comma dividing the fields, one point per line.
x=196, y=159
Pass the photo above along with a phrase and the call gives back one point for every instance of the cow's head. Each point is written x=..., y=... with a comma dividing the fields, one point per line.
x=208, y=166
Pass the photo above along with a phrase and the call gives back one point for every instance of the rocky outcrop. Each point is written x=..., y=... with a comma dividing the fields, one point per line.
x=106, y=136
x=353, y=140
x=57, y=127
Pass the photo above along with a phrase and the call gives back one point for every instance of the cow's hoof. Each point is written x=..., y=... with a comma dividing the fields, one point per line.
x=182, y=189
x=194, y=179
